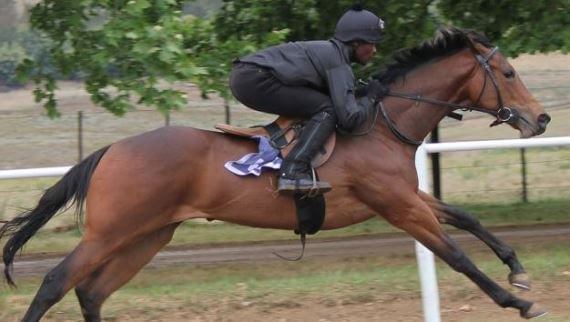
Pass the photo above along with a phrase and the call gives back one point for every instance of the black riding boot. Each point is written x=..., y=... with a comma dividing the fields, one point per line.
x=296, y=172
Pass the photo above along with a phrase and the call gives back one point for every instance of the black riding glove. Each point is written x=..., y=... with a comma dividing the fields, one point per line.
x=376, y=90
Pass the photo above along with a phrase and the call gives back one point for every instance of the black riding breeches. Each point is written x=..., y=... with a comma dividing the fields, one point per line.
x=257, y=88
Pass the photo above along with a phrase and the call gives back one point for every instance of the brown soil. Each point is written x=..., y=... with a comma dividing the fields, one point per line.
x=460, y=300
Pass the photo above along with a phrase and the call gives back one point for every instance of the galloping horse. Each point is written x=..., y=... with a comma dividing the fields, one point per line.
x=138, y=190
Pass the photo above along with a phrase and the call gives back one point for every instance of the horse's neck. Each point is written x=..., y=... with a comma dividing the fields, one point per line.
x=440, y=80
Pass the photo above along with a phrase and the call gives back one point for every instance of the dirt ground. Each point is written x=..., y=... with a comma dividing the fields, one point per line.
x=476, y=308
x=460, y=299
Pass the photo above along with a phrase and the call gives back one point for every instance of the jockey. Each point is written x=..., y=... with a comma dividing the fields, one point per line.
x=312, y=80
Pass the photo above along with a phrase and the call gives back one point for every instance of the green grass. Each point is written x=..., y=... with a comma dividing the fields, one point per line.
x=537, y=212
x=278, y=285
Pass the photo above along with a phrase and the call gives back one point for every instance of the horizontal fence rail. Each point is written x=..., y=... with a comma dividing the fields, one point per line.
x=34, y=173
x=496, y=144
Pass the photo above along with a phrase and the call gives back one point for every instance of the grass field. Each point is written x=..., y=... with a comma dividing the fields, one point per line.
x=318, y=289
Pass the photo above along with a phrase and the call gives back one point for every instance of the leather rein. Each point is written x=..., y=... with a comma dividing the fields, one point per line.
x=503, y=114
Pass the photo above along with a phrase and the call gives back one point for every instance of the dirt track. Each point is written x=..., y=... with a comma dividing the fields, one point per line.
x=346, y=247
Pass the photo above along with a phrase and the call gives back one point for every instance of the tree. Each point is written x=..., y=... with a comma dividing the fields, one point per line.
x=519, y=26
x=125, y=49
x=406, y=21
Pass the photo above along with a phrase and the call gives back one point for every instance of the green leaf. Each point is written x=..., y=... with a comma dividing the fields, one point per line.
x=136, y=7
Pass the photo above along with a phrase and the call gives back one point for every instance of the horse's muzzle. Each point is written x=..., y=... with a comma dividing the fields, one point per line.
x=543, y=120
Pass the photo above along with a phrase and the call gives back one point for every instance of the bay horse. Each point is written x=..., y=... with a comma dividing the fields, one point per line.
x=138, y=190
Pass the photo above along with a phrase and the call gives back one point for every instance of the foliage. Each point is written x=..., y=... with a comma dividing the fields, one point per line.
x=519, y=26
x=126, y=50
x=201, y=8
x=11, y=54
x=15, y=46
x=215, y=56
x=316, y=19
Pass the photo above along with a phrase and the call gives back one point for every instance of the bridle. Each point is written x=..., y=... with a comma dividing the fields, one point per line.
x=503, y=114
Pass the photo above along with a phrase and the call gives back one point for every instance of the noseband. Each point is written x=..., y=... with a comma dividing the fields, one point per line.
x=503, y=114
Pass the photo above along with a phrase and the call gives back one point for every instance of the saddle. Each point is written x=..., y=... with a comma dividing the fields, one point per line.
x=282, y=134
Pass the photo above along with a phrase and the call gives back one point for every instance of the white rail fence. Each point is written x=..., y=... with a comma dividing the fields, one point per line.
x=428, y=278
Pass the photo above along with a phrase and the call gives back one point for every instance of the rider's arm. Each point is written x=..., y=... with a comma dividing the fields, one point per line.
x=350, y=113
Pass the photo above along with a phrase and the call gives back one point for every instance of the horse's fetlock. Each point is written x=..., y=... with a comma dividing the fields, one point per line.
x=509, y=254
x=505, y=300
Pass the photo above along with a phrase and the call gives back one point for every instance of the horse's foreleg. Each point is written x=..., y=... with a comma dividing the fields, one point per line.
x=415, y=217
x=120, y=269
x=461, y=219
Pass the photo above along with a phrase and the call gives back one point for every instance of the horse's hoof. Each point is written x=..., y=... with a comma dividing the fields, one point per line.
x=534, y=311
x=520, y=280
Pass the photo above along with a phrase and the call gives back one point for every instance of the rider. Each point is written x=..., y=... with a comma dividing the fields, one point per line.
x=312, y=80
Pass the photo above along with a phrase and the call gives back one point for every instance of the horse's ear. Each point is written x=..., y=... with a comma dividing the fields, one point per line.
x=471, y=37
x=477, y=38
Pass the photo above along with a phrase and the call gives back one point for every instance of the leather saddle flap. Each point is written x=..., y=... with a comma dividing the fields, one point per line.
x=289, y=128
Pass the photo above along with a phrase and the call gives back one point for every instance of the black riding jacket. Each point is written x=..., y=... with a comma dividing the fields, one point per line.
x=320, y=64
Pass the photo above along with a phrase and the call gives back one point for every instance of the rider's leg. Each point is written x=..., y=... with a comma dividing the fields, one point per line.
x=296, y=174
x=259, y=89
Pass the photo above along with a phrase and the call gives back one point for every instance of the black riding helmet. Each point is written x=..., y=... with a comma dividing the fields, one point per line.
x=359, y=24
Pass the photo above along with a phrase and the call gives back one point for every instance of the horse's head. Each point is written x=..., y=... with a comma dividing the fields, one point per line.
x=497, y=89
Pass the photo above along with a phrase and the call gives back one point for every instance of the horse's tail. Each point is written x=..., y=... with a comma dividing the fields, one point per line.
x=73, y=186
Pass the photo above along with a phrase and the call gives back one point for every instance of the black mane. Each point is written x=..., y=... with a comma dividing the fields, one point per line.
x=446, y=42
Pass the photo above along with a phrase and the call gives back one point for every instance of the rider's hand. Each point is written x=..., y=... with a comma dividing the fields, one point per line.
x=376, y=90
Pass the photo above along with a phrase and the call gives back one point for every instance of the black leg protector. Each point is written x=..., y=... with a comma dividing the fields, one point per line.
x=296, y=174
x=90, y=301
x=90, y=307
x=463, y=220
x=50, y=292
x=460, y=263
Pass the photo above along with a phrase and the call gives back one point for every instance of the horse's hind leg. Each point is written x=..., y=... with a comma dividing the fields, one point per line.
x=461, y=219
x=82, y=261
x=124, y=265
x=414, y=216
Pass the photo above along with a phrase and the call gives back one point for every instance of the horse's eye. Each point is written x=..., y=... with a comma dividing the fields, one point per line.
x=510, y=74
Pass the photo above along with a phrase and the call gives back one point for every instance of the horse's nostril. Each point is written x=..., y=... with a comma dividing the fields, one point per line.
x=544, y=119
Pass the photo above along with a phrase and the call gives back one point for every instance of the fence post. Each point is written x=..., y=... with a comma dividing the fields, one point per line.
x=167, y=118
x=435, y=165
x=523, y=173
x=425, y=258
x=80, y=135
x=228, y=113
